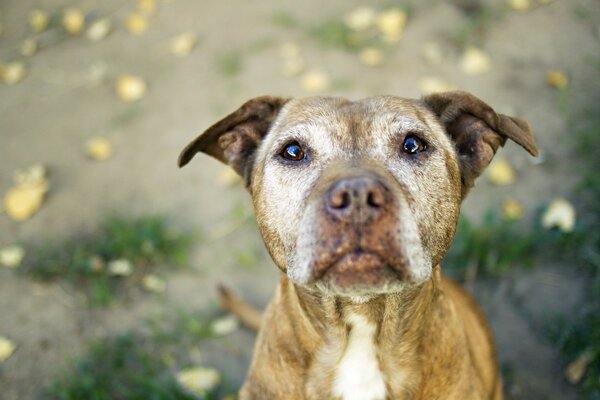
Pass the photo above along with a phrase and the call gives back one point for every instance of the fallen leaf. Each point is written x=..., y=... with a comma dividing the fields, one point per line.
x=315, y=81
x=73, y=20
x=28, y=47
x=153, y=283
x=371, y=56
x=13, y=73
x=289, y=50
x=33, y=175
x=38, y=20
x=12, y=256
x=575, y=371
x=292, y=67
x=183, y=44
x=7, y=348
x=360, y=19
x=432, y=53
x=557, y=79
x=22, y=202
x=560, y=214
x=433, y=84
x=120, y=267
x=99, y=29
x=475, y=62
x=512, y=209
x=520, y=5
x=96, y=264
x=131, y=88
x=136, y=24
x=228, y=177
x=391, y=24
x=98, y=149
x=500, y=172
x=147, y=7
x=198, y=380
x=225, y=325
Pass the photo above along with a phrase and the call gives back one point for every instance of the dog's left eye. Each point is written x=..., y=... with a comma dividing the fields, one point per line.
x=293, y=152
x=413, y=145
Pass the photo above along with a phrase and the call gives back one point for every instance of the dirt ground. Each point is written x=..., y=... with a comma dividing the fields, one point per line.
x=49, y=116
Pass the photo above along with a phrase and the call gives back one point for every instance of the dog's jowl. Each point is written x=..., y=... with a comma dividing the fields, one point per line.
x=358, y=202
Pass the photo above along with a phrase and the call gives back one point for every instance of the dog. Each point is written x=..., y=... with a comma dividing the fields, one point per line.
x=357, y=203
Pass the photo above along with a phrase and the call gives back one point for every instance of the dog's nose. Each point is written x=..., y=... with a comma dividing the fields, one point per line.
x=359, y=199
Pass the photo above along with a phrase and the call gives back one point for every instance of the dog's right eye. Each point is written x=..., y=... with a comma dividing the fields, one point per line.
x=293, y=152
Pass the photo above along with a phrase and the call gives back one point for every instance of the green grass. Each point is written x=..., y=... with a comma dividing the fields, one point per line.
x=83, y=260
x=477, y=22
x=229, y=64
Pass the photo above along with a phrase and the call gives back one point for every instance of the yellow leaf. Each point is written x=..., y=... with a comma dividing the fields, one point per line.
x=512, y=209
x=475, y=62
x=153, y=283
x=520, y=5
x=12, y=256
x=576, y=370
x=147, y=7
x=13, y=73
x=198, y=380
x=183, y=44
x=136, y=24
x=557, y=79
x=433, y=84
x=28, y=47
x=7, y=348
x=99, y=29
x=38, y=20
x=21, y=202
x=120, y=267
x=391, y=24
x=371, y=56
x=98, y=149
x=360, y=19
x=131, y=88
x=561, y=214
x=315, y=81
x=500, y=172
x=73, y=20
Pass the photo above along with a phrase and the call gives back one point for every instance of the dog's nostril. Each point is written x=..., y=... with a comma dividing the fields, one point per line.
x=339, y=200
x=375, y=198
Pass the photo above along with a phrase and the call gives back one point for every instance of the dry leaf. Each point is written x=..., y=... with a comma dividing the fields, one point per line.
x=371, y=56
x=136, y=24
x=12, y=256
x=98, y=149
x=198, y=380
x=560, y=214
x=391, y=24
x=433, y=84
x=225, y=325
x=557, y=79
x=292, y=67
x=36, y=174
x=7, y=348
x=228, y=177
x=183, y=44
x=131, y=88
x=21, y=202
x=576, y=370
x=73, y=20
x=28, y=47
x=500, y=172
x=360, y=19
x=99, y=29
x=13, y=73
x=512, y=209
x=432, y=53
x=520, y=5
x=120, y=267
x=475, y=62
x=96, y=264
x=315, y=81
x=153, y=283
x=38, y=20
x=147, y=7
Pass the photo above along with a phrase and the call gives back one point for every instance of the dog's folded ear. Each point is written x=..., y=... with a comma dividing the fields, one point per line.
x=233, y=139
x=477, y=131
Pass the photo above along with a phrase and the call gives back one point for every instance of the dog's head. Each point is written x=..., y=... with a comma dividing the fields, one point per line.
x=359, y=198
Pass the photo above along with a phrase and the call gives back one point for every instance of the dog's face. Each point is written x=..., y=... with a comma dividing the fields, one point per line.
x=359, y=198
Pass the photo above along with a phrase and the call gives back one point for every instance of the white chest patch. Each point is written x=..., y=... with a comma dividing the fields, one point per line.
x=358, y=376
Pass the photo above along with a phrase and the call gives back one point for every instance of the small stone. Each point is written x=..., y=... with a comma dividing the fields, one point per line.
x=12, y=256
x=433, y=84
x=120, y=267
x=559, y=214
x=371, y=56
x=360, y=19
x=557, y=79
x=198, y=380
x=38, y=20
x=98, y=149
x=224, y=326
x=183, y=44
x=391, y=24
x=315, y=81
x=28, y=47
x=73, y=21
x=131, y=88
x=136, y=24
x=99, y=29
x=512, y=209
x=7, y=348
x=153, y=283
x=475, y=62
x=500, y=172
x=13, y=73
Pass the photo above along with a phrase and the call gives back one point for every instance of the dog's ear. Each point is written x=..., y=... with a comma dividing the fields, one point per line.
x=477, y=131
x=233, y=139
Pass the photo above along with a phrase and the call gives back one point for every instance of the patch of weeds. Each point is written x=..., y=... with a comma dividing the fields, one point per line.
x=229, y=64
x=125, y=117
x=284, y=20
x=90, y=261
x=184, y=326
x=334, y=33
x=128, y=367
x=478, y=21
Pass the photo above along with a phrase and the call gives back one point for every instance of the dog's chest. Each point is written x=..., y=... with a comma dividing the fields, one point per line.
x=358, y=375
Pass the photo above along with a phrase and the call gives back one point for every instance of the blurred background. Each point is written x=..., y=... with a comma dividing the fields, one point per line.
x=110, y=255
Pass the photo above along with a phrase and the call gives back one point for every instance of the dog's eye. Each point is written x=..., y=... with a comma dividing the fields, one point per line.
x=293, y=152
x=413, y=145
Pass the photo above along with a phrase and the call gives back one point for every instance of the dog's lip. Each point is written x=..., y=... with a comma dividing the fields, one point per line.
x=357, y=252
